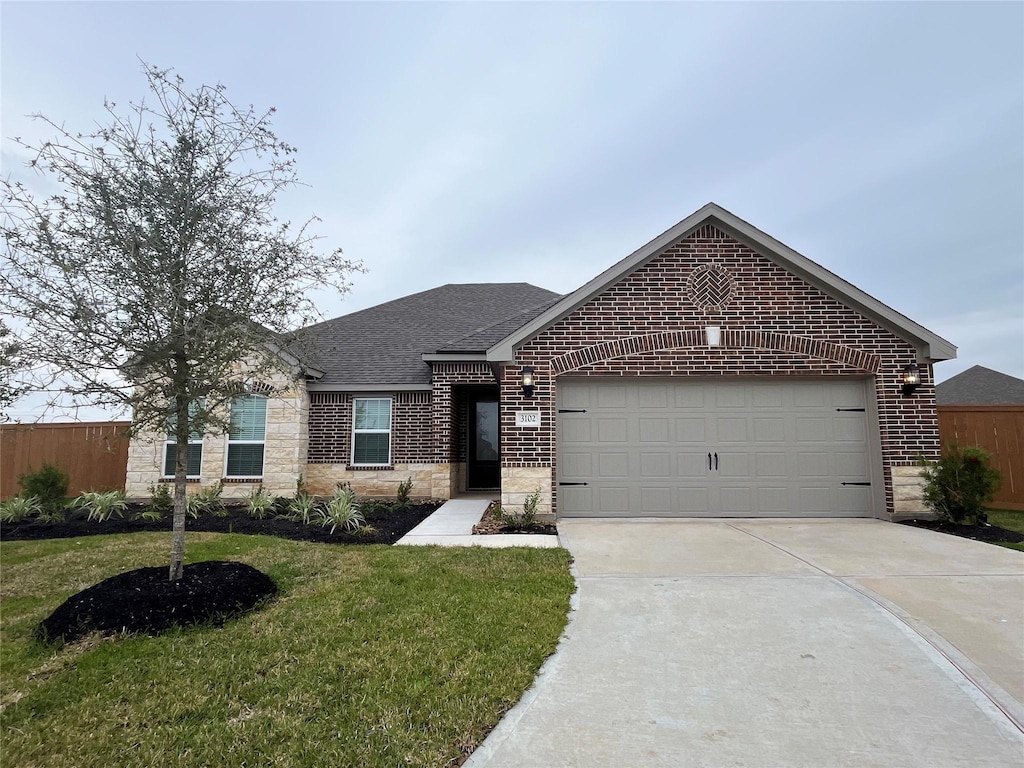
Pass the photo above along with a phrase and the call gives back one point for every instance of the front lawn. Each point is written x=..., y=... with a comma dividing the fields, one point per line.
x=369, y=656
x=1011, y=521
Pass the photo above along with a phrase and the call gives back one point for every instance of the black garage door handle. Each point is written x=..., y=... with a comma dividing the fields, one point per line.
x=856, y=483
x=572, y=483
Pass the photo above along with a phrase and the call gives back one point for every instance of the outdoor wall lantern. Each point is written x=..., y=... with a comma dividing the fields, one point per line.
x=911, y=378
x=714, y=335
x=527, y=381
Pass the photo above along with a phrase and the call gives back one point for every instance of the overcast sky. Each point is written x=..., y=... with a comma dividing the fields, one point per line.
x=543, y=142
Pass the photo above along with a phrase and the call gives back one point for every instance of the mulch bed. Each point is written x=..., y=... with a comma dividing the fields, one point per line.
x=390, y=525
x=146, y=601
x=989, y=533
x=489, y=524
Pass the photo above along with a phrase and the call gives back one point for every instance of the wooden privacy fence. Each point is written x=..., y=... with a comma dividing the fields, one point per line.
x=999, y=429
x=94, y=454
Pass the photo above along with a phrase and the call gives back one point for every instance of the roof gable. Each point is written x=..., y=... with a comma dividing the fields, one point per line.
x=980, y=386
x=930, y=346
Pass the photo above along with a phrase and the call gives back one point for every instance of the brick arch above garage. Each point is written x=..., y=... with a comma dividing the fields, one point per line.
x=793, y=347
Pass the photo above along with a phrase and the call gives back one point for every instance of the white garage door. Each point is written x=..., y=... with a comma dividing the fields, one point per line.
x=744, y=448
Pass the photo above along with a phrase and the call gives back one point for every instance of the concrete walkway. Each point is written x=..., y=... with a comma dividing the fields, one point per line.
x=777, y=643
x=452, y=526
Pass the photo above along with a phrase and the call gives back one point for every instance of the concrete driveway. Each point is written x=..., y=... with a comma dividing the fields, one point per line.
x=783, y=643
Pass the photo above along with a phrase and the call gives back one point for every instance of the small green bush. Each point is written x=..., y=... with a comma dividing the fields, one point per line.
x=342, y=511
x=958, y=485
x=19, y=508
x=302, y=508
x=523, y=519
x=205, y=499
x=49, y=485
x=260, y=503
x=160, y=502
x=404, y=489
x=101, y=506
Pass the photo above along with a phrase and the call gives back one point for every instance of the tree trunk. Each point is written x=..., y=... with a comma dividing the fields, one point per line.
x=181, y=433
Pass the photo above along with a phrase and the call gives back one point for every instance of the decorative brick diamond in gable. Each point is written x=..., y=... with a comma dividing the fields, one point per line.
x=710, y=288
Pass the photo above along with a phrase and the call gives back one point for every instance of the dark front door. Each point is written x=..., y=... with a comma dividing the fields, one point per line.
x=483, y=460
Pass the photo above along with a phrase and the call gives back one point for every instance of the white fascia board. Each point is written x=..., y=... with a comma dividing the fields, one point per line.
x=454, y=357
x=314, y=387
x=931, y=347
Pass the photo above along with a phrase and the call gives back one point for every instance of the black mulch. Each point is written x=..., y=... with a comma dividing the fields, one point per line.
x=489, y=524
x=978, y=532
x=390, y=524
x=146, y=601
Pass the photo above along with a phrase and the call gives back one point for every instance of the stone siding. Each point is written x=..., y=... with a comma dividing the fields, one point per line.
x=428, y=480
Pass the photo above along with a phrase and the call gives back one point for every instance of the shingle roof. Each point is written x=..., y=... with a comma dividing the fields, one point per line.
x=980, y=386
x=384, y=344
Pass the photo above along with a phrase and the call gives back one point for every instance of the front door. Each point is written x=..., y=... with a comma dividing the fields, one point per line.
x=482, y=465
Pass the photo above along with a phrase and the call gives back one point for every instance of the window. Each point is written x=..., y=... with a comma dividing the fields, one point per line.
x=371, y=431
x=247, y=437
x=194, y=458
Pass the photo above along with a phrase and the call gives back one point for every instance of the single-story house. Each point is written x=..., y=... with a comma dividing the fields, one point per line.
x=712, y=372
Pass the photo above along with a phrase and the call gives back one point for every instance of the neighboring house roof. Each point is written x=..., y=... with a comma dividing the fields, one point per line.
x=980, y=386
x=930, y=346
x=382, y=346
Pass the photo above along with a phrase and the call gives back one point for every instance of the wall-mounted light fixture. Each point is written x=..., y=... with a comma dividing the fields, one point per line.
x=911, y=378
x=714, y=335
x=527, y=374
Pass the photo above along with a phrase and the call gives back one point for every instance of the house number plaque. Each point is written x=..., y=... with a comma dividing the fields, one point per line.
x=527, y=418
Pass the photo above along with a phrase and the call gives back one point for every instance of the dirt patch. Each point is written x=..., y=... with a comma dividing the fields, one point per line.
x=489, y=524
x=389, y=525
x=145, y=601
x=989, y=533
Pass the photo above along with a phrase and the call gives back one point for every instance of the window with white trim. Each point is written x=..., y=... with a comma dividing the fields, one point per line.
x=194, y=457
x=247, y=437
x=371, y=431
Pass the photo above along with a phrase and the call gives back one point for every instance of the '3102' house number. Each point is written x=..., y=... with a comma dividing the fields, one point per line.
x=527, y=418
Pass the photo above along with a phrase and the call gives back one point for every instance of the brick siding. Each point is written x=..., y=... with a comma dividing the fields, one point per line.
x=330, y=428
x=773, y=323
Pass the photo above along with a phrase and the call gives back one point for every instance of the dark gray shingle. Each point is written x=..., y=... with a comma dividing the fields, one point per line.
x=384, y=344
x=980, y=386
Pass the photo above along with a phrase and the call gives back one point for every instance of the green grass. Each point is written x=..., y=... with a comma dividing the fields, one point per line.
x=1012, y=521
x=369, y=656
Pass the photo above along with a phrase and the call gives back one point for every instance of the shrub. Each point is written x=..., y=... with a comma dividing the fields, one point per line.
x=342, y=511
x=49, y=485
x=958, y=485
x=150, y=514
x=101, y=506
x=260, y=503
x=404, y=489
x=160, y=502
x=523, y=519
x=203, y=500
x=302, y=508
x=19, y=508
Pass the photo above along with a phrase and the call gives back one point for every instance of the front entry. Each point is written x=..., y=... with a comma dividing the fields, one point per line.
x=483, y=460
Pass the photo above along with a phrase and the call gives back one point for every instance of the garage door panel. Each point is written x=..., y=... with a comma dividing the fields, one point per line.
x=772, y=465
x=691, y=430
x=574, y=431
x=612, y=431
x=654, y=430
x=648, y=448
x=770, y=430
x=613, y=500
x=611, y=396
x=656, y=501
x=732, y=430
x=656, y=465
x=652, y=397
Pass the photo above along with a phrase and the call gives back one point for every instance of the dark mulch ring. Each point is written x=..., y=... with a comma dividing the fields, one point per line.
x=145, y=601
x=978, y=532
x=389, y=525
x=489, y=524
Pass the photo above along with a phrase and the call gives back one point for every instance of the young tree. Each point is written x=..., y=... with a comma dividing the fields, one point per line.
x=159, y=268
